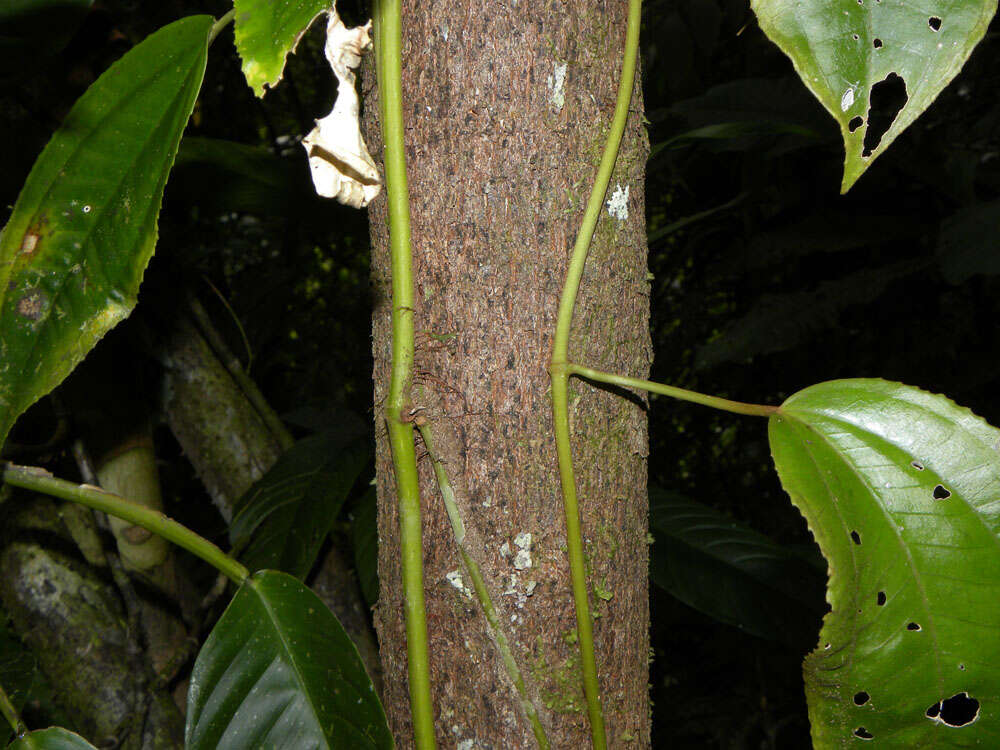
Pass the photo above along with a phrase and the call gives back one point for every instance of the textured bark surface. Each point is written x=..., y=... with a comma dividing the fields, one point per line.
x=507, y=109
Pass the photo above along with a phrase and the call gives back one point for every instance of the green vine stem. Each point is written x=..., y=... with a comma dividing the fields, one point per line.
x=39, y=480
x=388, y=44
x=559, y=372
x=10, y=714
x=220, y=24
x=682, y=394
x=479, y=586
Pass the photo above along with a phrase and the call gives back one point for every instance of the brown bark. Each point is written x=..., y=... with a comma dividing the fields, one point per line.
x=500, y=160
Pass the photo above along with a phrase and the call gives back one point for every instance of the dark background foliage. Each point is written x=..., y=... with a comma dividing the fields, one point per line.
x=765, y=280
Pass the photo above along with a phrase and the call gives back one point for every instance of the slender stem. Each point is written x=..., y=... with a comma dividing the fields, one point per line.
x=244, y=381
x=482, y=593
x=10, y=714
x=560, y=380
x=723, y=404
x=388, y=44
x=220, y=24
x=39, y=480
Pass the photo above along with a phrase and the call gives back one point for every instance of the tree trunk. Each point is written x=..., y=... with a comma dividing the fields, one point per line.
x=507, y=110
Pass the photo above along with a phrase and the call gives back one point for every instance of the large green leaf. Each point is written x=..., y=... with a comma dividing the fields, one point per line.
x=278, y=671
x=731, y=572
x=901, y=489
x=282, y=520
x=843, y=50
x=267, y=32
x=84, y=227
x=54, y=738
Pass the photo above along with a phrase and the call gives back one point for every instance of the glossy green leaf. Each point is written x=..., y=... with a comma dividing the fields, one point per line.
x=731, y=572
x=901, y=489
x=54, y=738
x=84, y=227
x=267, y=32
x=282, y=520
x=843, y=50
x=364, y=537
x=31, y=30
x=278, y=671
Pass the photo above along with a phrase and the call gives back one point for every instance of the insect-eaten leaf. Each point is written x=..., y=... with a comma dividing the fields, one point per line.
x=875, y=65
x=901, y=489
x=267, y=32
x=84, y=226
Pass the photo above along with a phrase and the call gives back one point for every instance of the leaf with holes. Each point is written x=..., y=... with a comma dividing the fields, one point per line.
x=278, y=671
x=901, y=489
x=875, y=65
x=267, y=32
x=733, y=573
x=54, y=738
x=84, y=226
x=283, y=519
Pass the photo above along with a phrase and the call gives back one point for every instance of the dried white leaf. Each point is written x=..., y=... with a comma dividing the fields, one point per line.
x=339, y=161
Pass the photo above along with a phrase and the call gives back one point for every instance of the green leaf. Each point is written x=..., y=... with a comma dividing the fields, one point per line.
x=731, y=572
x=54, y=738
x=283, y=519
x=84, y=227
x=31, y=30
x=267, y=32
x=901, y=489
x=364, y=535
x=278, y=671
x=842, y=51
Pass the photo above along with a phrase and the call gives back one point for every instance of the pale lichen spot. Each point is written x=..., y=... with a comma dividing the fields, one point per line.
x=618, y=203
x=455, y=579
x=557, y=85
